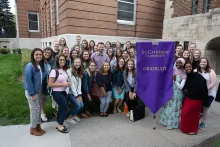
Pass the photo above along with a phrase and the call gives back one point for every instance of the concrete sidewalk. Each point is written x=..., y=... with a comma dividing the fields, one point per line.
x=113, y=131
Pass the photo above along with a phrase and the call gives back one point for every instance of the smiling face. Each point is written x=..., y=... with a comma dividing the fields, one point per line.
x=110, y=51
x=56, y=46
x=74, y=54
x=38, y=56
x=101, y=48
x=192, y=47
x=85, y=55
x=188, y=68
x=121, y=63
x=179, y=64
x=130, y=65
x=84, y=44
x=118, y=45
x=132, y=53
x=186, y=54
x=128, y=45
x=66, y=52
x=77, y=63
x=179, y=49
x=203, y=63
x=125, y=54
x=91, y=44
x=196, y=54
x=118, y=52
x=47, y=54
x=92, y=67
x=108, y=45
x=106, y=67
x=78, y=39
x=62, y=41
x=77, y=48
x=62, y=61
x=95, y=48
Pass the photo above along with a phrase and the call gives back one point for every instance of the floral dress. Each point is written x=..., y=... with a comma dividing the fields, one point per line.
x=171, y=111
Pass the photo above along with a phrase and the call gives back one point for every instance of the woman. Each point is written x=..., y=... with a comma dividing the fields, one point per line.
x=58, y=81
x=108, y=45
x=118, y=85
x=196, y=58
x=209, y=74
x=33, y=78
x=125, y=55
x=91, y=46
x=87, y=81
x=186, y=56
x=132, y=55
x=129, y=76
x=103, y=79
x=48, y=61
x=66, y=53
x=118, y=53
x=113, y=60
x=75, y=93
x=95, y=48
x=196, y=92
x=85, y=59
x=62, y=43
x=73, y=55
x=85, y=46
x=77, y=48
x=128, y=46
x=170, y=114
x=118, y=45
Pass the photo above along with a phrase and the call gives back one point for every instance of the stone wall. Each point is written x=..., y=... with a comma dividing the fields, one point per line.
x=199, y=28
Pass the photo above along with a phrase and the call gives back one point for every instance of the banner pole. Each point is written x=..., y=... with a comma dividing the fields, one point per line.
x=154, y=127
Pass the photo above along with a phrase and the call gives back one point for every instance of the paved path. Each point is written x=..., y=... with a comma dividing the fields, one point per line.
x=114, y=131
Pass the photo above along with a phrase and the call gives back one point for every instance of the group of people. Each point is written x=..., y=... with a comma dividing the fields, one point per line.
x=91, y=70
x=193, y=92
x=77, y=76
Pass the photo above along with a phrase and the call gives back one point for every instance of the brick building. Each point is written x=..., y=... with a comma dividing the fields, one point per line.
x=197, y=21
x=100, y=20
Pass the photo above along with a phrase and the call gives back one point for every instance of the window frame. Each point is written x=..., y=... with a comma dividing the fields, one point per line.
x=206, y=6
x=57, y=12
x=38, y=21
x=134, y=17
x=194, y=6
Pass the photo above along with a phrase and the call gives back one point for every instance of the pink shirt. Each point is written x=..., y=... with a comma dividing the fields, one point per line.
x=61, y=78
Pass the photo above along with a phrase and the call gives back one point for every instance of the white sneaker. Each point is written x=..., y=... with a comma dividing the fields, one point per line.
x=76, y=118
x=71, y=121
x=43, y=117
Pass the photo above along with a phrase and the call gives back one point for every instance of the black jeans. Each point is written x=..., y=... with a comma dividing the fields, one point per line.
x=131, y=103
x=87, y=103
x=61, y=99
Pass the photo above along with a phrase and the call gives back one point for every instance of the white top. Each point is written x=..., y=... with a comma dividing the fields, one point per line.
x=41, y=75
x=180, y=85
x=212, y=92
x=76, y=83
x=131, y=80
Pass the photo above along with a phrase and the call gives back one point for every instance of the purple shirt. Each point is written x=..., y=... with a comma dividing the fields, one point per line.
x=99, y=59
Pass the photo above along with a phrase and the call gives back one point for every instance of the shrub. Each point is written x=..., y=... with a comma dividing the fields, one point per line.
x=19, y=51
x=4, y=51
x=25, y=58
x=14, y=50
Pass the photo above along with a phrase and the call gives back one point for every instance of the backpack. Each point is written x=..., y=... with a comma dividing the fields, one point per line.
x=56, y=77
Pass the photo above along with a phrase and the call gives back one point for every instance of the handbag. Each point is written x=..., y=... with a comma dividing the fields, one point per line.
x=137, y=113
x=96, y=90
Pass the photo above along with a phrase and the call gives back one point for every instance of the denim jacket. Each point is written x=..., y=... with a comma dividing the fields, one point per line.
x=87, y=81
x=32, y=79
x=117, y=79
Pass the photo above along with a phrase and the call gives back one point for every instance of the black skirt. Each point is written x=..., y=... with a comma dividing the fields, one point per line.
x=217, y=99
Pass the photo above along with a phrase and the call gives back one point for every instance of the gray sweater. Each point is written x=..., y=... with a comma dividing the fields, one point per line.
x=127, y=85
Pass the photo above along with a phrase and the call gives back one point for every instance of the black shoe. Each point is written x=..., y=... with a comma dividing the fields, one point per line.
x=106, y=115
x=64, y=130
x=102, y=115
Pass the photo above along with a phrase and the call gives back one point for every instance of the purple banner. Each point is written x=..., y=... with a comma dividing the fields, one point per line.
x=154, y=73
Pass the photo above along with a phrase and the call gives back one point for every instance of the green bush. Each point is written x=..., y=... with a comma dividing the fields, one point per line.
x=19, y=51
x=16, y=51
x=25, y=58
x=4, y=51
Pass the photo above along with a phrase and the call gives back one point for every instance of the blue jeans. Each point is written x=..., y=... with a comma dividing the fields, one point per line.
x=77, y=106
x=61, y=99
x=105, y=102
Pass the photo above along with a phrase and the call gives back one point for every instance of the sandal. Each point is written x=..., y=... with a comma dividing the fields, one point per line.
x=64, y=130
x=106, y=115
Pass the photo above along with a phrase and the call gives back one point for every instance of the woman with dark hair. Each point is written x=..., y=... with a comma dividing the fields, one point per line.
x=118, y=85
x=58, y=81
x=87, y=81
x=77, y=48
x=132, y=55
x=209, y=74
x=85, y=59
x=125, y=55
x=108, y=45
x=66, y=53
x=128, y=46
x=75, y=93
x=186, y=56
x=113, y=60
x=85, y=46
x=118, y=45
x=118, y=53
x=196, y=59
x=103, y=79
x=73, y=55
x=33, y=78
x=129, y=76
x=48, y=61
x=196, y=91
x=91, y=46
x=62, y=43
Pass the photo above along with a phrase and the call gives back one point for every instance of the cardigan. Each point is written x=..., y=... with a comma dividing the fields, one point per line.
x=76, y=83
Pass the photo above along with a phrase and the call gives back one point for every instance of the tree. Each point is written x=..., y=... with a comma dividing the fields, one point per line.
x=7, y=23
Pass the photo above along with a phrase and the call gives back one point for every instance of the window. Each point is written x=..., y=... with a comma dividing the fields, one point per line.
x=126, y=12
x=57, y=11
x=186, y=45
x=195, y=7
x=50, y=44
x=176, y=43
x=33, y=22
x=206, y=6
x=5, y=47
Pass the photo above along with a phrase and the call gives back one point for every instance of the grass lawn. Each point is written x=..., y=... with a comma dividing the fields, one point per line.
x=14, y=107
x=217, y=143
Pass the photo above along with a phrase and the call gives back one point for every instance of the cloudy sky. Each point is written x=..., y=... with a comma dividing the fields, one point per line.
x=12, y=5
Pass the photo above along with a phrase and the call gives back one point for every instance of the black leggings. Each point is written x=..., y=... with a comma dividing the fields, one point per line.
x=131, y=103
x=87, y=103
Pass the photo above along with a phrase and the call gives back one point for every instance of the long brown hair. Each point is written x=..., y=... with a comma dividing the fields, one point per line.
x=72, y=50
x=41, y=63
x=65, y=67
x=207, y=68
x=64, y=40
x=51, y=56
x=101, y=71
x=133, y=70
x=116, y=53
x=87, y=47
x=117, y=67
x=93, y=73
x=77, y=72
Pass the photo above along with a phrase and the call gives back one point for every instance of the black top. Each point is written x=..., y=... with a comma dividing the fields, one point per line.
x=195, y=87
x=195, y=64
x=104, y=81
x=117, y=78
x=87, y=81
x=217, y=99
